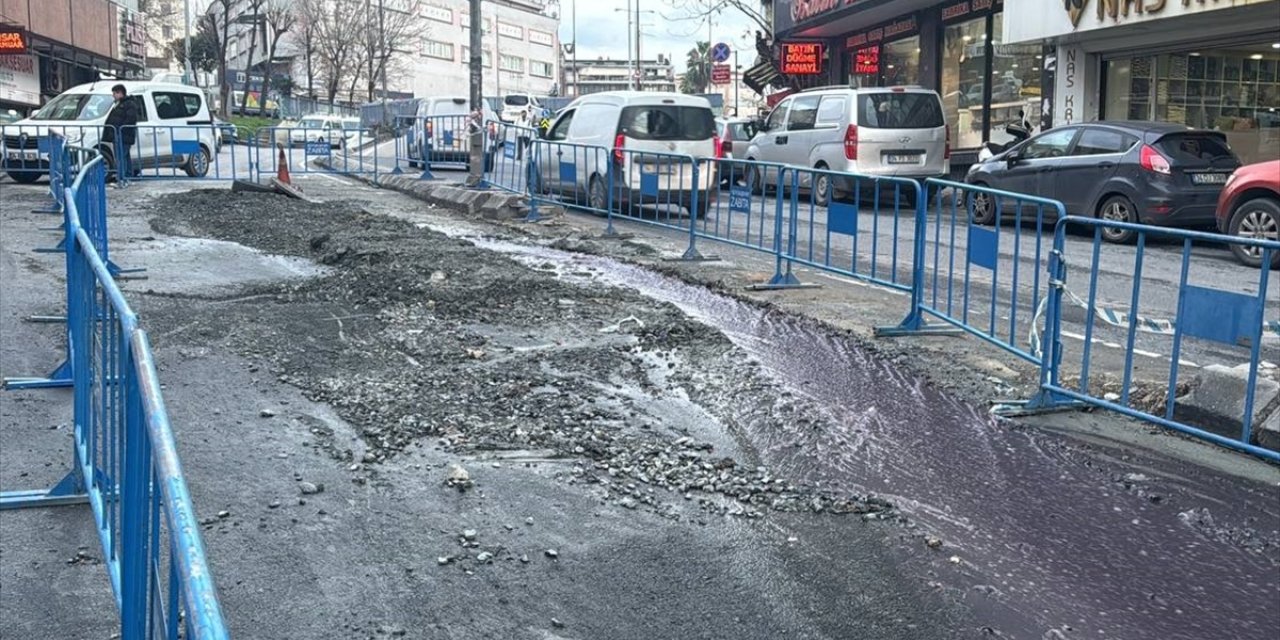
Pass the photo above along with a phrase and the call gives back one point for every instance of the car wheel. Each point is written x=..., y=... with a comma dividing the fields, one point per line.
x=1118, y=209
x=757, y=181
x=984, y=206
x=198, y=163
x=1260, y=219
x=597, y=195
x=25, y=177
x=821, y=187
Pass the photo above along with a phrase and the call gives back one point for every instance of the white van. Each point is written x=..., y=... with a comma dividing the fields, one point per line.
x=175, y=128
x=319, y=128
x=444, y=121
x=602, y=128
x=878, y=131
x=513, y=104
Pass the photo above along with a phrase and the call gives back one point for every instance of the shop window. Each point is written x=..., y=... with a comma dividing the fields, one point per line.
x=1235, y=91
x=900, y=62
x=1015, y=83
x=964, y=75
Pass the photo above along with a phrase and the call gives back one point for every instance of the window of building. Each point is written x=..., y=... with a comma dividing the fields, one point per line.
x=510, y=31
x=167, y=32
x=964, y=73
x=540, y=69
x=1015, y=83
x=511, y=63
x=900, y=62
x=1235, y=91
x=486, y=57
x=439, y=14
x=437, y=49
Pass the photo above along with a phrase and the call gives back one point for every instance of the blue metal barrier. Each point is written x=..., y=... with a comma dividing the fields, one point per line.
x=509, y=169
x=125, y=463
x=341, y=151
x=431, y=141
x=1231, y=320
x=985, y=280
x=570, y=175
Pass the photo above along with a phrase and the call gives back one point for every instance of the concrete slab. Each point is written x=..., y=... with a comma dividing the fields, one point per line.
x=1268, y=433
x=1217, y=402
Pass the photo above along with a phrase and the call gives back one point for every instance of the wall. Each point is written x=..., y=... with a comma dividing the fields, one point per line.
x=87, y=24
x=1033, y=20
x=436, y=76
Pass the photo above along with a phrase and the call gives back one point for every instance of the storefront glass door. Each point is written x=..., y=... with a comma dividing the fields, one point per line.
x=964, y=76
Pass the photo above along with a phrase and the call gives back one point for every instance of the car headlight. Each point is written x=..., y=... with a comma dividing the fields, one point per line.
x=1231, y=178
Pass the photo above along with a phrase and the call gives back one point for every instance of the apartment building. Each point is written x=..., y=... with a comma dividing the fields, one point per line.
x=521, y=51
x=52, y=45
x=164, y=24
x=607, y=74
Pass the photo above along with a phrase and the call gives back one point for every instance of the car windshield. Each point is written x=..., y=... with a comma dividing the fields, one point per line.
x=516, y=101
x=1196, y=149
x=900, y=111
x=311, y=123
x=668, y=122
x=75, y=106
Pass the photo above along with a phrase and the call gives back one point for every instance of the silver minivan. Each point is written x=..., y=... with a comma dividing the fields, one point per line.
x=878, y=131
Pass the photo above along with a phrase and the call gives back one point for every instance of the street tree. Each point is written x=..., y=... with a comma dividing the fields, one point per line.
x=253, y=15
x=204, y=48
x=308, y=14
x=697, y=74
x=337, y=47
x=217, y=21
x=390, y=27
x=280, y=19
x=699, y=11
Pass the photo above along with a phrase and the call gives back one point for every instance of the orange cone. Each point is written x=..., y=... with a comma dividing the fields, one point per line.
x=282, y=169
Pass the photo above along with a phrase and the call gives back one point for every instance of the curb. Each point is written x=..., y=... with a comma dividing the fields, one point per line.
x=493, y=204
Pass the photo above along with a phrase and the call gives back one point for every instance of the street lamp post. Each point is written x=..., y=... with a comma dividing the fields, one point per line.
x=187, y=72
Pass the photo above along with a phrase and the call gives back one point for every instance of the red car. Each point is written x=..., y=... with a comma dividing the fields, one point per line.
x=1249, y=207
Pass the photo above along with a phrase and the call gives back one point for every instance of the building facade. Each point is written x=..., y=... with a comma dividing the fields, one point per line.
x=1211, y=64
x=165, y=23
x=53, y=45
x=521, y=51
x=607, y=74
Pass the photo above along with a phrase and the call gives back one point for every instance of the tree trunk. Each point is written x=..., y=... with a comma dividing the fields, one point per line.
x=266, y=76
x=248, y=66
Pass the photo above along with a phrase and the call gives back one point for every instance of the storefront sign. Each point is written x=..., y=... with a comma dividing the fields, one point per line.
x=866, y=61
x=12, y=41
x=884, y=33
x=802, y=10
x=802, y=58
x=1026, y=21
x=962, y=9
x=1070, y=69
x=20, y=79
x=133, y=38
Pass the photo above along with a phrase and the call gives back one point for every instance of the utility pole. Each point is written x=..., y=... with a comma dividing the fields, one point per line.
x=631, y=67
x=188, y=72
x=639, y=65
x=476, y=173
x=382, y=36
x=737, y=80
x=574, y=36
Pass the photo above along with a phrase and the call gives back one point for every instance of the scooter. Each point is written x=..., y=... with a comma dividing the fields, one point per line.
x=1019, y=131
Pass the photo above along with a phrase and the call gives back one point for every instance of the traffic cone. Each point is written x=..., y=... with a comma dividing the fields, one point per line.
x=282, y=169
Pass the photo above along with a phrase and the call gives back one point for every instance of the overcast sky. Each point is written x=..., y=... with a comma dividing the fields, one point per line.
x=602, y=29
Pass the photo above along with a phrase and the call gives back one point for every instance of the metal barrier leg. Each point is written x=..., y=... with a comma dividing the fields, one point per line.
x=533, y=216
x=914, y=323
x=69, y=490
x=60, y=377
x=783, y=279
x=692, y=254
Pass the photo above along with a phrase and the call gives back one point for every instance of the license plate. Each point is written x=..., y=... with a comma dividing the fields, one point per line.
x=903, y=159
x=31, y=155
x=1209, y=178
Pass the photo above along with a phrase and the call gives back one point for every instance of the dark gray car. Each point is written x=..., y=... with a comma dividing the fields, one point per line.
x=1141, y=172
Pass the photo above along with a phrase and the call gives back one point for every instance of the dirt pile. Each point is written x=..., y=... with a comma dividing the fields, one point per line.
x=420, y=339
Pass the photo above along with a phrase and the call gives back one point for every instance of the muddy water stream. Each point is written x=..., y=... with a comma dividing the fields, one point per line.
x=1078, y=543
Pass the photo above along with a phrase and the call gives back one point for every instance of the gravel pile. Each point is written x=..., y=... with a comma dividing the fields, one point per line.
x=422, y=340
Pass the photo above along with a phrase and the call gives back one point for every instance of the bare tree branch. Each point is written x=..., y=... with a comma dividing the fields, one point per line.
x=700, y=10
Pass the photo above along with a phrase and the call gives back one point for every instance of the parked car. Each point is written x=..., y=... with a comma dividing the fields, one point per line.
x=734, y=133
x=443, y=120
x=879, y=131
x=666, y=124
x=318, y=128
x=1249, y=207
x=1139, y=172
x=175, y=128
x=226, y=133
x=514, y=103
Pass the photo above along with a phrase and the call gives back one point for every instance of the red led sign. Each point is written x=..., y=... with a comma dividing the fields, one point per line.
x=867, y=61
x=12, y=42
x=802, y=58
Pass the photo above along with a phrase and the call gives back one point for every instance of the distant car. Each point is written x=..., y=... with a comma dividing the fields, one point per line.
x=226, y=132
x=1249, y=207
x=442, y=121
x=1132, y=171
x=734, y=133
x=318, y=128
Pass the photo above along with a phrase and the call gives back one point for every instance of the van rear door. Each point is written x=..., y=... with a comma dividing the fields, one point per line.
x=901, y=132
x=667, y=129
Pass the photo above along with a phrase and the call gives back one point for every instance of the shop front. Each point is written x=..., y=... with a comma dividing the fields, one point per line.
x=1203, y=63
x=955, y=48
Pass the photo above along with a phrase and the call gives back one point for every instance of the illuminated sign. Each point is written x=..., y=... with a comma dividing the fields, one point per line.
x=867, y=61
x=12, y=42
x=802, y=58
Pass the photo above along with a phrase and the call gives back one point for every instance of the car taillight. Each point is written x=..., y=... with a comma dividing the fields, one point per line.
x=946, y=151
x=618, y=144
x=1151, y=160
x=719, y=146
x=851, y=143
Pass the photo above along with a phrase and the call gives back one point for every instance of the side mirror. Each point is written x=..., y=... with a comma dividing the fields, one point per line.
x=1013, y=157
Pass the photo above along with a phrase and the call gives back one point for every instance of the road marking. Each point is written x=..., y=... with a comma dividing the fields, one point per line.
x=1141, y=352
x=852, y=281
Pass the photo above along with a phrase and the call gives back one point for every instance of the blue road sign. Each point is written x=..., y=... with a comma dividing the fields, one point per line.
x=721, y=52
x=317, y=148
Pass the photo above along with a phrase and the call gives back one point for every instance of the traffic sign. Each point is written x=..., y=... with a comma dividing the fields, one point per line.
x=720, y=74
x=721, y=52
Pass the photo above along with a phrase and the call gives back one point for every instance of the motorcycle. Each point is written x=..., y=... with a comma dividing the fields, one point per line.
x=1019, y=131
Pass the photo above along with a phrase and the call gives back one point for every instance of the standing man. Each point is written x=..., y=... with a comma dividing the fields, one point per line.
x=524, y=122
x=122, y=129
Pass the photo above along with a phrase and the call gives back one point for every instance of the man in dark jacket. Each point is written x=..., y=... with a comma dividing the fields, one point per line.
x=122, y=129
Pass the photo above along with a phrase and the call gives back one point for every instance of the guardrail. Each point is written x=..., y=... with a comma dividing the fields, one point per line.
x=1233, y=319
x=426, y=142
x=125, y=462
x=346, y=151
x=514, y=151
